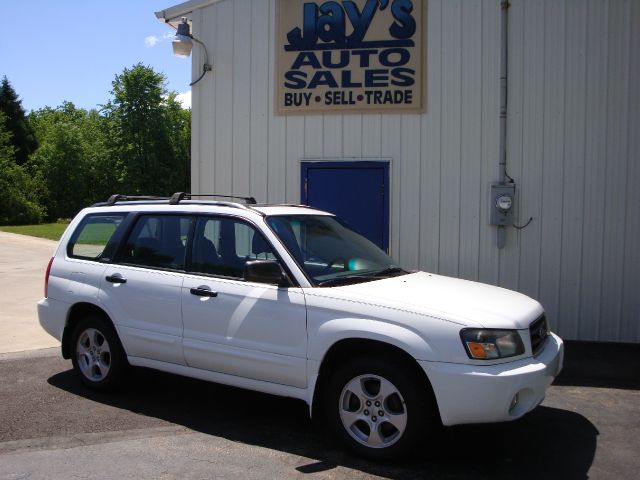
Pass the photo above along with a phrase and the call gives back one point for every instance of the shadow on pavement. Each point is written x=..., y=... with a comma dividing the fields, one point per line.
x=603, y=365
x=547, y=443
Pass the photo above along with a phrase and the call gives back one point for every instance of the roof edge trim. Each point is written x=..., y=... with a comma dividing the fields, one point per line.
x=182, y=9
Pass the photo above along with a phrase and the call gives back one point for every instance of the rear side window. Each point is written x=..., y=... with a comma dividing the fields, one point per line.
x=93, y=234
x=157, y=241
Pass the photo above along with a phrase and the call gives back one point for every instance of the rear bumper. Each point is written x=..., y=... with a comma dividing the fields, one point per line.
x=52, y=315
x=479, y=394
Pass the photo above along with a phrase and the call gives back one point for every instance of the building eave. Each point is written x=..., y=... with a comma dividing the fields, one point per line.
x=182, y=9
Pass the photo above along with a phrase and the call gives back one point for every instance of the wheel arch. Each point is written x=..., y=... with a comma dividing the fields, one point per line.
x=348, y=348
x=76, y=313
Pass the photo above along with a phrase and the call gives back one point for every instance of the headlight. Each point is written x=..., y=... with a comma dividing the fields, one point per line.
x=483, y=344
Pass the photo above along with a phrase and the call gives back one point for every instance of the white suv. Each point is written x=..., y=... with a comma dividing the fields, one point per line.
x=290, y=301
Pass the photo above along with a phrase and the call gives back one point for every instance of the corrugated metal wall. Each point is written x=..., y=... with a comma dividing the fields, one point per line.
x=573, y=147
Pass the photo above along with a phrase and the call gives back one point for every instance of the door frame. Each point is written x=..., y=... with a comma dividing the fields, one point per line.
x=385, y=163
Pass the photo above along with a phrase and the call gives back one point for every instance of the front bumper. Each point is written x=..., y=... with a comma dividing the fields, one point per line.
x=481, y=394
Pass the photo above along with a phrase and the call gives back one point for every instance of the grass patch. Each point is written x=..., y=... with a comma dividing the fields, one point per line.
x=52, y=231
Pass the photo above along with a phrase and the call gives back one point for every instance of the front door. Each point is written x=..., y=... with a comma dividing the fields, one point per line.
x=357, y=192
x=235, y=327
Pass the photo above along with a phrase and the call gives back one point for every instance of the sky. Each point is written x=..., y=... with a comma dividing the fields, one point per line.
x=53, y=51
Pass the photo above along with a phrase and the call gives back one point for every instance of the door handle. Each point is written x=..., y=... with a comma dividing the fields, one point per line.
x=203, y=292
x=115, y=279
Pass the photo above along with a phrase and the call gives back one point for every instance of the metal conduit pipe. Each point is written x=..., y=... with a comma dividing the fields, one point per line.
x=502, y=163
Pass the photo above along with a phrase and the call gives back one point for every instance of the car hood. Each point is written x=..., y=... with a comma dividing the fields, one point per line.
x=461, y=301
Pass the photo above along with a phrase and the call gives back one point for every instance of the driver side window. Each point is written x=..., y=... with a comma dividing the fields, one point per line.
x=222, y=246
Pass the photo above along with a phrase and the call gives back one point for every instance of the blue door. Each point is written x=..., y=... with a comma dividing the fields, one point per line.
x=357, y=192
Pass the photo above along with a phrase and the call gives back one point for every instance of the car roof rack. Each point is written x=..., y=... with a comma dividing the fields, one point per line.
x=175, y=199
x=297, y=205
x=113, y=199
x=179, y=196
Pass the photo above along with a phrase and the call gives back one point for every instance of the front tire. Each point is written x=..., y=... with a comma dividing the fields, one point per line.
x=98, y=357
x=381, y=410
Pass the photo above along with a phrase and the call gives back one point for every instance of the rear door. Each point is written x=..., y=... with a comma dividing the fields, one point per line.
x=91, y=245
x=142, y=288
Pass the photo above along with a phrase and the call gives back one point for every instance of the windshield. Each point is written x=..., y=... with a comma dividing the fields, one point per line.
x=330, y=252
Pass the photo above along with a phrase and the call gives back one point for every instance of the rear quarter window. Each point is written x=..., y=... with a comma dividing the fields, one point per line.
x=92, y=235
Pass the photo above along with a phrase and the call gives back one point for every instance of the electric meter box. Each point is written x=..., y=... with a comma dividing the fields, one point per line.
x=501, y=203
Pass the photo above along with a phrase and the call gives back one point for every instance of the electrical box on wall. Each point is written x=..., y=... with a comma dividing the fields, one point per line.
x=501, y=203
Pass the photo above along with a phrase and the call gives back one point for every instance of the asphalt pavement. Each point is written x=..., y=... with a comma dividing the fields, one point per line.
x=164, y=426
x=161, y=426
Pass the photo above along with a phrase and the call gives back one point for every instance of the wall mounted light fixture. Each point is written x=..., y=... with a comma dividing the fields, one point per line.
x=182, y=44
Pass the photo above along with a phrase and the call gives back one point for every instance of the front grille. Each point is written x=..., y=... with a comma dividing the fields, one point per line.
x=539, y=331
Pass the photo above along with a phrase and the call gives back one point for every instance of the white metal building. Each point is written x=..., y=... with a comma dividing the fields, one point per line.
x=572, y=144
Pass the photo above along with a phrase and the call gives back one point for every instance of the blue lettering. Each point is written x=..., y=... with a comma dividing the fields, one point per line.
x=361, y=21
x=310, y=20
x=296, y=79
x=376, y=78
x=388, y=97
x=330, y=26
x=323, y=77
x=346, y=80
x=305, y=58
x=327, y=59
x=364, y=56
x=327, y=23
x=403, y=77
x=405, y=24
x=408, y=96
x=296, y=99
x=386, y=61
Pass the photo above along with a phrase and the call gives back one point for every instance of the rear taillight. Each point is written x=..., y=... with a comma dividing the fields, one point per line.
x=46, y=278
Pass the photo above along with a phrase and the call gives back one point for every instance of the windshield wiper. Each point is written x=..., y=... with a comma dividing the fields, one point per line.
x=368, y=277
x=391, y=271
x=346, y=280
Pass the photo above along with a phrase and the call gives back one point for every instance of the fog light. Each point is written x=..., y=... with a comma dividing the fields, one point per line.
x=514, y=403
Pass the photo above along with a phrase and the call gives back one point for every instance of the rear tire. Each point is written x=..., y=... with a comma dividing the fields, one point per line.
x=381, y=409
x=97, y=354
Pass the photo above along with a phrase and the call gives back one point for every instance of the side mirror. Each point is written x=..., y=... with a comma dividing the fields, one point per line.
x=265, y=271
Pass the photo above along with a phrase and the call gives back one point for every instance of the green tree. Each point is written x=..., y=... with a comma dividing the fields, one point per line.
x=73, y=163
x=179, y=124
x=16, y=123
x=138, y=144
x=7, y=151
x=149, y=133
x=19, y=200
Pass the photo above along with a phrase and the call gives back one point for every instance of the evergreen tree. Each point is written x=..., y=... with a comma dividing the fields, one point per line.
x=16, y=123
x=19, y=203
x=7, y=152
